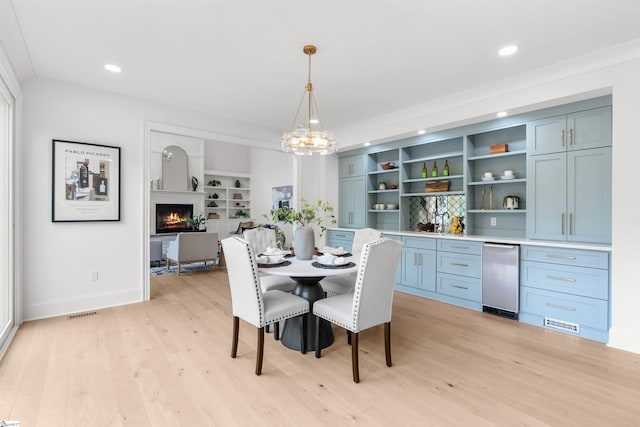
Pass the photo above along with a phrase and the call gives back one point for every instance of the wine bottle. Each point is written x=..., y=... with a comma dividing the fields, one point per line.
x=445, y=171
x=434, y=169
x=424, y=170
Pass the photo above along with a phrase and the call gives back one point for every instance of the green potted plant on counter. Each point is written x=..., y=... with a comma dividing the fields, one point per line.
x=304, y=219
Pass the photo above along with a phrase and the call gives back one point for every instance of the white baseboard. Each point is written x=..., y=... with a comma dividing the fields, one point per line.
x=62, y=307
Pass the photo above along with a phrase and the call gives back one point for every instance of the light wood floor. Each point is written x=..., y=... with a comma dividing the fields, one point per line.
x=165, y=362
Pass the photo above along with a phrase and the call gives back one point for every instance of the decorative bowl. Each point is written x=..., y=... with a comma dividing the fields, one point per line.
x=388, y=165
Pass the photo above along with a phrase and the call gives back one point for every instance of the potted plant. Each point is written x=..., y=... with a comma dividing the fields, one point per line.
x=308, y=216
x=196, y=222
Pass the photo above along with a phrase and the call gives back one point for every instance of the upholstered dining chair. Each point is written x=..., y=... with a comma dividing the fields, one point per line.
x=260, y=239
x=370, y=303
x=337, y=285
x=253, y=305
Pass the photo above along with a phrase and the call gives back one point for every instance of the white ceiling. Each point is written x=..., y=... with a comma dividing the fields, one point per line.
x=243, y=59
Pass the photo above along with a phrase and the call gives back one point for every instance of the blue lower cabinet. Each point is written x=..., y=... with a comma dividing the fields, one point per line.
x=417, y=274
x=573, y=314
x=460, y=264
x=338, y=238
x=566, y=290
x=468, y=288
x=419, y=267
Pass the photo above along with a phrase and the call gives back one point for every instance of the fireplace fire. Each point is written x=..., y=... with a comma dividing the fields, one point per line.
x=172, y=218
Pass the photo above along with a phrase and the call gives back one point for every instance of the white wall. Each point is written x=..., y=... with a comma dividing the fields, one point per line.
x=269, y=169
x=59, y=257
x=225, y=157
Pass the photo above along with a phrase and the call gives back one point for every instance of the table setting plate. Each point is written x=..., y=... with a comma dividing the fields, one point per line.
x=274, y=264
x=332, y=266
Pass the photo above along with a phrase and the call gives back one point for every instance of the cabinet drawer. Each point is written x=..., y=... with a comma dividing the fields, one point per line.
x=577, y=257
x=463, y=265
x=337, y=238
x=392, y=236
x=420, y=242
x=589, y=312
x=588, y=282
x=461, y=247
x=340, y=235
x=460, y=287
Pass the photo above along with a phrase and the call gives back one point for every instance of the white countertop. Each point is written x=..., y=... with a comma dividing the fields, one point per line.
x=507, y=240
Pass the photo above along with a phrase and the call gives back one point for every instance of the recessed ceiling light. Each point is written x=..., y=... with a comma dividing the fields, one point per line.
x=508, y=50
x=422, y=132
x=502, y=114
x=113, y=68
x=314, y=121
x=366, y=144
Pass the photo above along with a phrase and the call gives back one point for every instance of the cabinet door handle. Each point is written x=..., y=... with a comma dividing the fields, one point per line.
x=564, y=279
x=563, y=224
x=415, y=258
x=459, y=264
x=459, y=287
x=561, y=256
x=562, y=137
x=570, y=136
x=571, y=224
x=459, y=247
x=420, y=259
x=340, y=235
x=561, y=307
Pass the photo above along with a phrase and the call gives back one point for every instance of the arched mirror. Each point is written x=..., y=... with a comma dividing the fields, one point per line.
x=175, y=171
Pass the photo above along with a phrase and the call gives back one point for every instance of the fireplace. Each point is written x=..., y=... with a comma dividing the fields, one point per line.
x=172, y=218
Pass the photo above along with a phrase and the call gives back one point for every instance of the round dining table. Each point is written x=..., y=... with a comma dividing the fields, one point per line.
x=307, y=274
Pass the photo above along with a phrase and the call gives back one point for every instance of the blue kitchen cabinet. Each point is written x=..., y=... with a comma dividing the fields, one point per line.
x=569, y=196
x=352, y=166
x=569, y=132
x=418, y=265
x=351, y=202
x=566, y=290
x=340, y=238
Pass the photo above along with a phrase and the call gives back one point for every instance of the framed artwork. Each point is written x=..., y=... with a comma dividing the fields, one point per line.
x=85, y=184
x=281, y=196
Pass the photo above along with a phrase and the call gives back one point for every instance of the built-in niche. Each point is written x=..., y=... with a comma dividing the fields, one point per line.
x=175, y=169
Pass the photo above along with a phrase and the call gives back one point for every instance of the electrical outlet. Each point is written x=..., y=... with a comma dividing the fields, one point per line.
x=494, y=221
x=94, y=276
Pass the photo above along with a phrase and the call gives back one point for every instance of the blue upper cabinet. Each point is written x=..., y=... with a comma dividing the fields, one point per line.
x=569, y=196
x=352, y=191
x=351, y=200
x=569, y=191
x=575, y=131
x=352, y=166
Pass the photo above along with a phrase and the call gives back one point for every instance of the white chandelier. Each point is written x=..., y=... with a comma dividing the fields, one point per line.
x=308, y=138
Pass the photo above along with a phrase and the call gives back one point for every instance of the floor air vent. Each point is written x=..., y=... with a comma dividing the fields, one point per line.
x=561, y=325
x=76, y=316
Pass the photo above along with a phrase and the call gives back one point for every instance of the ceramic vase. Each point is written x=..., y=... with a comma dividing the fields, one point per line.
x=304, y=242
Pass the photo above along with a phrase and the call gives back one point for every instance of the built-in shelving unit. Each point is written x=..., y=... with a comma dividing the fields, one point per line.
x=229, y=198
x=383, y=201
x=495, y=220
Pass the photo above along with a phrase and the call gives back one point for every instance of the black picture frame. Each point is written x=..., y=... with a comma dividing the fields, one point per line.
x=85, y=182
